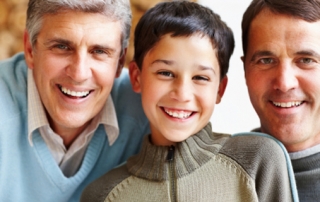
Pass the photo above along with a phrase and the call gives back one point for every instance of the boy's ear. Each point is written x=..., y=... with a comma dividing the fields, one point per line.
x=242, y=58
x=135, y=74
x=222, y=88
x=121, y=62
x=28, y=52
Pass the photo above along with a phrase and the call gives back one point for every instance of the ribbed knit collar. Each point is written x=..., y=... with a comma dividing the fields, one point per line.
x=151, y=163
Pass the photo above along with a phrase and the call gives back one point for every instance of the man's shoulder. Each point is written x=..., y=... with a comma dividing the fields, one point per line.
x=126, y=101
x=12, y=63
x=122, y=91
x=13, y=71
x=13, y=85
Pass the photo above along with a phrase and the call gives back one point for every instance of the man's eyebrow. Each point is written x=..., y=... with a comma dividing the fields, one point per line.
x=70, y=43
x=260, y=54
x=57, y=40
x=308, y=53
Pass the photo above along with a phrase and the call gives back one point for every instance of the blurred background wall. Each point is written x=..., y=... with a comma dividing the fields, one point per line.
x=233, y=114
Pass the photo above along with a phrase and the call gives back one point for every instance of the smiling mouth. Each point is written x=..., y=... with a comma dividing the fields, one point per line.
x=179, y=114
x=287, y=104
x=74, y=94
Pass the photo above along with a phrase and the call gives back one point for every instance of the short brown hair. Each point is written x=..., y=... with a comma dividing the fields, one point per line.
x=183, y=18
x=308, y=10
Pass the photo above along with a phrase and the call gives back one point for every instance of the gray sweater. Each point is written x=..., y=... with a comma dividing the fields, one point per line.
x=205, y=167
x=307, y=173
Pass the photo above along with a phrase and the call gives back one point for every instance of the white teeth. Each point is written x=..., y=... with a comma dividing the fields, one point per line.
x=178, y=114
x=287, y=104
x=74, y=93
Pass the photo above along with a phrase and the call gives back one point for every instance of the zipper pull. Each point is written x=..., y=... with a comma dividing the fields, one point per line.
x=170, y=153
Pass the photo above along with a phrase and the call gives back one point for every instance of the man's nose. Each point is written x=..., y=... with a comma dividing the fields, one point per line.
x=285, y=77
x=79, y=68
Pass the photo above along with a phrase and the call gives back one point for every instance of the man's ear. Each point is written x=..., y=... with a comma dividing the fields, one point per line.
x=222, y=88
x=121, y=62
x=135, y=74
x=28, y=51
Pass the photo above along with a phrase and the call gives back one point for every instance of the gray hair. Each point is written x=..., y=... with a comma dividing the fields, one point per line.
x=118, y=10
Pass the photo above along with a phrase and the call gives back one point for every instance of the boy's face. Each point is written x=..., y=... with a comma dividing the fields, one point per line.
x=180, y=85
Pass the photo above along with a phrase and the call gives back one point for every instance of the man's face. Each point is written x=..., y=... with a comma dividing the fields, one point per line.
x=179, y=85
x=282, y=70
x=75, y=61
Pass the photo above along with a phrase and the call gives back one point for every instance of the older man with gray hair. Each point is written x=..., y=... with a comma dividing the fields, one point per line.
x=65, y=119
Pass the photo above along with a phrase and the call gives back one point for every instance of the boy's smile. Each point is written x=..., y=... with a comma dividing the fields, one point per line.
x=180, y=84
x=180, y=114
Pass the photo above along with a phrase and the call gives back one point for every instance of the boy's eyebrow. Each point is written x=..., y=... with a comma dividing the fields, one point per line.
x=170, y=62
x=167, y=62
x=202, y=67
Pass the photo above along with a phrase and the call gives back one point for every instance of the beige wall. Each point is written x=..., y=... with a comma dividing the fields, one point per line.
x=12, y=23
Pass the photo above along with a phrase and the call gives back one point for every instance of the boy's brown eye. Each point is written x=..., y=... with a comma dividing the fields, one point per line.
x=201, y=78
x=165, y=73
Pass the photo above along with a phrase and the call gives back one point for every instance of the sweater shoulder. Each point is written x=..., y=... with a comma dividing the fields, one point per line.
x=98, y=190
x=265, y=160
x=128, y=104
x=252, y=150
x=13, y=86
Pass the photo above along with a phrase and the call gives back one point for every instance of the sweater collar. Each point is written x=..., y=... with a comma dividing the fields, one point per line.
x=152, y=164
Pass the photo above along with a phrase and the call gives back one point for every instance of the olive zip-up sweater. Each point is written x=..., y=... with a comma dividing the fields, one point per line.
x=205, y=167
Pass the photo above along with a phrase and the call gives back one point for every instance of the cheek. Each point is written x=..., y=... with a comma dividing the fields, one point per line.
x=206, y=102
x=254, y=81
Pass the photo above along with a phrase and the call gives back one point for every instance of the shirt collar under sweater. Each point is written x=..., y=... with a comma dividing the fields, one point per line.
x=37, y=117
x=151, y=163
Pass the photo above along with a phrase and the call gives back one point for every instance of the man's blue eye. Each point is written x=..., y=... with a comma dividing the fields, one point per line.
x=99, y=51
x=61, y=46
x=266, y=60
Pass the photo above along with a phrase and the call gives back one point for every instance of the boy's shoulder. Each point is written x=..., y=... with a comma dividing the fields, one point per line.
x=253, y=150
x=101, y=187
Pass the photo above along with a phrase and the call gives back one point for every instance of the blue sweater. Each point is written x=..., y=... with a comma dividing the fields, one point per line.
x=30, y=173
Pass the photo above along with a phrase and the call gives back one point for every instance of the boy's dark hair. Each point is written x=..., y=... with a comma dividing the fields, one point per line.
x=183, y=18
x=308, y=10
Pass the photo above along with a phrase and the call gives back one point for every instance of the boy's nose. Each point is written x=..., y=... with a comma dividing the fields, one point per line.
x=182, y=90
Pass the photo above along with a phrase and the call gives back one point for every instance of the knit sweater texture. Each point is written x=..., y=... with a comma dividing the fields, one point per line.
x=205, y=167
x=307, y=174
x=31, y=174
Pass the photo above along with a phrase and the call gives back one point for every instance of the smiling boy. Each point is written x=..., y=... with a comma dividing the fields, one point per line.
x=182, y=53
